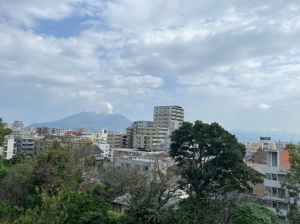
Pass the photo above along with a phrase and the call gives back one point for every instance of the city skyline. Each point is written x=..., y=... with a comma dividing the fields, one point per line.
x=233, y=62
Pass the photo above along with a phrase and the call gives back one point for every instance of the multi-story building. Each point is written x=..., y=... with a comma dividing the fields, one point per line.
x=18, y=125
x=25, y=145
x=263, y=144
x=145, y=136
x=147, y=163
x=116, y=140
x=43, y=143
x=170, y=117
x=9, y=147
x=104, y=148
x=260, y=156
x=43, y=130
x=142, y=124
x=277, y=197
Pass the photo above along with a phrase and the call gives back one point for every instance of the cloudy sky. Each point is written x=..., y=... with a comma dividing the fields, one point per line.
x=234, y=62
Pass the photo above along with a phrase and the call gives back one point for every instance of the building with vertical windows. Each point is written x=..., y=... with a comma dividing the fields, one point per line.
x=170, y=117
x=277, y=197
x=25, y=145
x=9, y=147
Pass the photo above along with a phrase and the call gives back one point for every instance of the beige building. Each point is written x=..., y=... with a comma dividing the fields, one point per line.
x=170, y=117
x=136, y=128
x=44, y=143
x=257, y=189
x=116, y=140
x=145, y=137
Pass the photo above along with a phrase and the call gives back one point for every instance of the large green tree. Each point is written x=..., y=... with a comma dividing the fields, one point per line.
x=3, y=132
x=292, y=182
x=210, y=160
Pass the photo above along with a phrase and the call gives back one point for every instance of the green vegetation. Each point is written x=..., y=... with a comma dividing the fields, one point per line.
x=250, y=212
x=292, y=182
x=3, y=132
x=48, y=189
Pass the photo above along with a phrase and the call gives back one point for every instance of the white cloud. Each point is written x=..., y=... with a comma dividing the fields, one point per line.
x=216, y=57
x=264, y=106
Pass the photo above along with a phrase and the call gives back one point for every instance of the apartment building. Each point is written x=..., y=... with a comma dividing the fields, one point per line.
x=145, y=137
x=116, y=140
x=277, y=197
x=170, y=117
x=43, y=143
x=104, y=148
x=9, y=147
x=145, y=162
x=25, y=145
x=260, y=157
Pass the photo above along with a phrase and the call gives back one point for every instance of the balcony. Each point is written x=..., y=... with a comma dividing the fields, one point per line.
x=272, y=183
x=271, y=169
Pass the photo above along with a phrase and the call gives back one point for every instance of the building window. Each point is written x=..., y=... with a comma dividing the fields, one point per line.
x=145, y=168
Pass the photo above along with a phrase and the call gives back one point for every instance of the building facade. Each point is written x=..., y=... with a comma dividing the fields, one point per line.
x=25, y=145
x=117, y=140
x=170, y=117
x=9, y=147
x=277, y=197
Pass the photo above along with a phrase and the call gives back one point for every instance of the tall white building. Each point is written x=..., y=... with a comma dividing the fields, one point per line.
x=9, y=147
x=170, y=117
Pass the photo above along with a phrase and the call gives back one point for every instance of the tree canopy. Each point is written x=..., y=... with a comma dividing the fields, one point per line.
x=3, y=132
x=210, y=160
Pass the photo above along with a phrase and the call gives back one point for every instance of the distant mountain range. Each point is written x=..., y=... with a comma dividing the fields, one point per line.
x=90, y=121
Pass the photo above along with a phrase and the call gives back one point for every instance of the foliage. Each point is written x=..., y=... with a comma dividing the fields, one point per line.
x=210, y=159
x=250, y=212
x=117, y=218
x=292, y=179
x=294, y=214
x=3, y=132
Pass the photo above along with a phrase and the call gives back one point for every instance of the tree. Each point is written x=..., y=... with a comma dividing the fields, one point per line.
x=3, y=132
x=292, y=182
x=210, y=160
x=250, y=212
x=148, y=202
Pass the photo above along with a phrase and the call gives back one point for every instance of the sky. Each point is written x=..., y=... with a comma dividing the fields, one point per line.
x=232, y=62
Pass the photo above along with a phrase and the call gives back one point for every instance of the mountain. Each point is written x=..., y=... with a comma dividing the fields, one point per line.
x=90, y=121
x=254, y=136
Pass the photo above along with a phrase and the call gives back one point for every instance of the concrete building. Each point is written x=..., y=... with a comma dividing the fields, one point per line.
x=257, y=190
x=263, y=144
x=43, y=143
x=9, y=147
x=146, y=163
x=18, y=125
x=260, y=156
x=117, y=140
x=43, y=130
x=149, y=138
x=105, y=149
x=8, y=125
x=144, y=136
x=142, y=124
x=277, y=197
x=170, y=117
x=115, y=153
x=25, y=145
